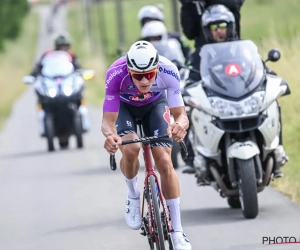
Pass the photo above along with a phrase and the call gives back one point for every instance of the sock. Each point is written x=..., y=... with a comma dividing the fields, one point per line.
x=133, y=191
x=174, y=208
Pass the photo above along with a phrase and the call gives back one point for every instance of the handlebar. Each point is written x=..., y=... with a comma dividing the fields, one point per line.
x=183, y=149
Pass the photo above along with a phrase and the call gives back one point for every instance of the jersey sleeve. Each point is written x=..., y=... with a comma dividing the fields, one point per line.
x=172, y=81
x=112, y=91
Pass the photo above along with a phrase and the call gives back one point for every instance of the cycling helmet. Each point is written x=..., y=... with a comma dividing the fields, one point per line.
x=142, y=57
x=154, y=29
x=150, y=12
x=217, y=14
x=62, y=40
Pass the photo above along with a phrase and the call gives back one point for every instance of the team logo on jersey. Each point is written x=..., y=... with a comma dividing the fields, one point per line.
x=109, y=97
x=177, y=92
x=137, y=97
x=169, y=72
x=112, y=75
x=131, y=86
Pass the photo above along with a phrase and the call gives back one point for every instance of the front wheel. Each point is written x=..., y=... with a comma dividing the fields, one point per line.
x=49, y=129
x=247, y=188
x=78, y=129
x=156, y=223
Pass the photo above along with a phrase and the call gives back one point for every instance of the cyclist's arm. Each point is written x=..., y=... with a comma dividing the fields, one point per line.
x=111, y=105
x=180, y=116
x=175, y=100
x=109, y=123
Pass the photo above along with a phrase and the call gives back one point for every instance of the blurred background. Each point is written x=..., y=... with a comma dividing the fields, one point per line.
x=103, y=29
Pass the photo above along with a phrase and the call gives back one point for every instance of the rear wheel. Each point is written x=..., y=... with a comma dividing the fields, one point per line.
x=247, y=188
x=156, y=223
x=49, y=128
x=78, y=129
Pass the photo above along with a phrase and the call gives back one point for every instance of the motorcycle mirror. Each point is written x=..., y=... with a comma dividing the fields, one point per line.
x=88, y=74
x=28, y=79
x=273, y=55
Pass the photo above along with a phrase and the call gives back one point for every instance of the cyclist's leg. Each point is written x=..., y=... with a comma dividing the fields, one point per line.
x=126, y=128
x=154, y=123
x=129, y=165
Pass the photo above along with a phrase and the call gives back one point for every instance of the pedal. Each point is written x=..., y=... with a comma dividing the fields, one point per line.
x=143, y=231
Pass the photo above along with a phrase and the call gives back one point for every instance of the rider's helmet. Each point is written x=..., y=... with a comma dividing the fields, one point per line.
x=62, y=40
x=150, y=13
x=154, y=31
x=216, y=14
x=142, y=57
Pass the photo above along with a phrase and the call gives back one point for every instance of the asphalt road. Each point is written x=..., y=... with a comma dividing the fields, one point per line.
x=71, y=200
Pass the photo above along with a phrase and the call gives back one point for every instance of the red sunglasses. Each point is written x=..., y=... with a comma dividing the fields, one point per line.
x=140, y=75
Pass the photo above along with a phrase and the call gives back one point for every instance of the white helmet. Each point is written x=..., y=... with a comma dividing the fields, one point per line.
x=142, y=57
x=151, y=12
x=155, y=28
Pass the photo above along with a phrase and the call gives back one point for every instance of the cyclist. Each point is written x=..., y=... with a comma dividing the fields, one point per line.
x=149, y=13
x=135, y=88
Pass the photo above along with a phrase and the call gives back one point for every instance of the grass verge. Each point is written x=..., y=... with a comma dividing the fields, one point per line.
x=15, y=62
x=287, y=67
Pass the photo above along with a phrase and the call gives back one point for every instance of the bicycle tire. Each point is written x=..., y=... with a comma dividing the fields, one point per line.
x=157, y=218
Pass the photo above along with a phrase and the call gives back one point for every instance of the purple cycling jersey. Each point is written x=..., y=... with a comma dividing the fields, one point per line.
x=119, y=86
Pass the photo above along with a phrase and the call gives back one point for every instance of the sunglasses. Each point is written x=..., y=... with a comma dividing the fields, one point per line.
x=140, y=75
x=219, y=25
x=152, y=38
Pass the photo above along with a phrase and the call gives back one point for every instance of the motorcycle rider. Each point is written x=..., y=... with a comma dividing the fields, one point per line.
x=190, y=18
x=61, y=42
x=135, y=87
x=218, y=25
x=150, y=13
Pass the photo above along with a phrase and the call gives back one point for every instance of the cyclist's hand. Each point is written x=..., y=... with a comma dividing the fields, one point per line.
x=112, y=143
x=176, y=131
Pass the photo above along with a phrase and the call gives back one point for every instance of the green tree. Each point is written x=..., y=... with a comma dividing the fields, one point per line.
x=12, y=13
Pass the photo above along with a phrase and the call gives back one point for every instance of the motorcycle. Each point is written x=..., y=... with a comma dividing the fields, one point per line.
x=61, y=108
x=172, y=51
x=235, y=122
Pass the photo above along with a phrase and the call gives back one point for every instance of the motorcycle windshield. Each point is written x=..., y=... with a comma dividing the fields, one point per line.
x=232, y=69
x=170, y=49
x=57, y=64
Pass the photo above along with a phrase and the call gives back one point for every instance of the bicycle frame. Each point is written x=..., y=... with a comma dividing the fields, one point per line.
x=149, y=170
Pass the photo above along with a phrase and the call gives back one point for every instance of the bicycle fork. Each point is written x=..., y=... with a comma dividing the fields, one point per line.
x=147, y=228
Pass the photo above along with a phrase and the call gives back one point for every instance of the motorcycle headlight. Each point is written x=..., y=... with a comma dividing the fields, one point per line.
x=51, y=92
x=67, y=91
x=247, y=107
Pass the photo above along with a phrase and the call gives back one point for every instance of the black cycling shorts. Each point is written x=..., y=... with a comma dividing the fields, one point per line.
x=154, y=116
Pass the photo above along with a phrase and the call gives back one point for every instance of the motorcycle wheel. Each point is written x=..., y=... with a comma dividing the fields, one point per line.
x=234, y=202
x=63, y=142
x=78, y=129
x=247, y=188
x=49, y=128
x=174, y=154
